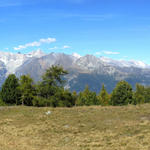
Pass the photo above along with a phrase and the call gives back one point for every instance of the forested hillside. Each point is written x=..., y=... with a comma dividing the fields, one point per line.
x=50, y=91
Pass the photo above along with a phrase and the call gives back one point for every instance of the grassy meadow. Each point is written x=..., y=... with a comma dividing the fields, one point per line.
x=78, y=128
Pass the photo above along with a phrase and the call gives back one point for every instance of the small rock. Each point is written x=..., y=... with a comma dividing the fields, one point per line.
x=66, y=126
x=48, y=113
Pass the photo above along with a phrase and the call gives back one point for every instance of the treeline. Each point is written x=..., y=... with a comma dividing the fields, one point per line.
x=50, y=91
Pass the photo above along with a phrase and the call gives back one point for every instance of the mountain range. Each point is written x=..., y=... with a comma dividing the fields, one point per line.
x=83, y=70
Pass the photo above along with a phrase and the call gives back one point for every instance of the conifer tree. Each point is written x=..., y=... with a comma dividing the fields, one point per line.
x=75, y=96
x=27, y=90
x=51, y=89
x=63, y=98
x=139, y=94
x=87, y=98
x=103, y=97
x=147, y=95
x=122, y=94
x=52, y=81
x=10, y=93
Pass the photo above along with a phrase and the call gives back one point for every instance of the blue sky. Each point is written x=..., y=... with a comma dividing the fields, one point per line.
x=118, y=29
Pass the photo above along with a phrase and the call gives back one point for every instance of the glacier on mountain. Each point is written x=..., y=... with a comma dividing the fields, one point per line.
x=14, y=60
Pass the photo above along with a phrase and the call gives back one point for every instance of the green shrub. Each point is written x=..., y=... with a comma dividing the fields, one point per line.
x=2, y=103
x=40, y=102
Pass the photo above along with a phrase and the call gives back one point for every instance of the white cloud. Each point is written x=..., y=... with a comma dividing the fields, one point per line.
x=98, y=53
x=76, y=55
x=36, y=43
x=48, y=40
x=66, y=46
x=111, y=53
x=53, y=48
x=107, y=53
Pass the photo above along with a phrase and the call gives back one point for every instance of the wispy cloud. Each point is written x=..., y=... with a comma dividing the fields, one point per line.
x=66, y=47
x=63, y=47
x=13, y=3
x=2, y=20
x=75, y=1
x=9, y=4
x=111, y=53
x=68, y=15
x=107, y=53
x=139, y=28
x=54, y=48
x=90, y=17
x=98, y=53
x=35, y=43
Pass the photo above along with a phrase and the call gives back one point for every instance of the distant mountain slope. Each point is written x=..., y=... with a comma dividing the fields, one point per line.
x=3, y=72
x=89, y=70
x=83, y=70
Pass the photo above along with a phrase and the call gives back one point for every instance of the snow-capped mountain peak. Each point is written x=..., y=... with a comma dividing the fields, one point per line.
x=38, y=53
x=76, y=55
x=124, y=63
x=89, y=68
x=139, y=64
x=14, y=60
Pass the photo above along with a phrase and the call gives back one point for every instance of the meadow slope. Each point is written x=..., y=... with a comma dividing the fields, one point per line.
x=78, y=128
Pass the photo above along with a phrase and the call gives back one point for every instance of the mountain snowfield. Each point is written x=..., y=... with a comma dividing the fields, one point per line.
x=83, y=70
x=124, y=63
x=14, y=60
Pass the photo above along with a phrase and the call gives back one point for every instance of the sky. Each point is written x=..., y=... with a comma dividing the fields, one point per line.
x=118, y=29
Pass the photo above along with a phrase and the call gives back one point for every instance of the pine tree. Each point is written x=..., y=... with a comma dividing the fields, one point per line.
x=64, y=98
x=27, y=90
x=147, y=95
x=103, y=96
x=51, y=88
x=87, y=98
x=139, y=94
x=52, y=81
x=122, y=94
x=10, y=93
x=75, y=96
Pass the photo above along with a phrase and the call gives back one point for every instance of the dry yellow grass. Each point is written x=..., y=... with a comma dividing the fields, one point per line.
x=79, y=128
